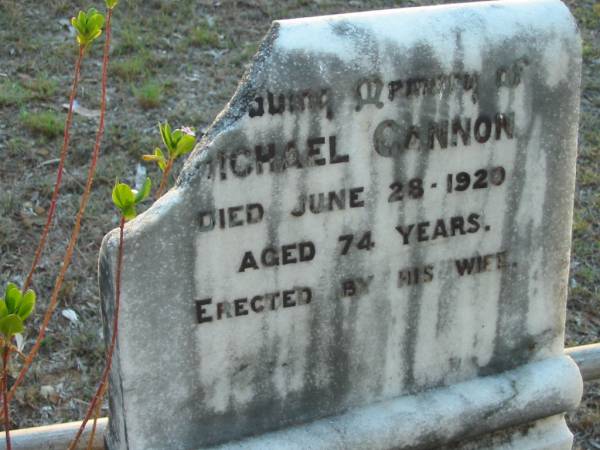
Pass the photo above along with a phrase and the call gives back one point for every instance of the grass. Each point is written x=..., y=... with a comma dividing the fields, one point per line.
x=204, y=35
x=15, y=146
x=16, y=94
x=242, y=57
x=129, y=39
x=588, y=17
x=131, y=69
x=13, y=94
x=589, y=52
x=149, y=94
x=42, y=86
x=46, y=123
x=8, y=203
x=580, y=223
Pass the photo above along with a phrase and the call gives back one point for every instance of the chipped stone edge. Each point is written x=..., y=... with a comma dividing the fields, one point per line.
x=441, y=416
x=235, y=109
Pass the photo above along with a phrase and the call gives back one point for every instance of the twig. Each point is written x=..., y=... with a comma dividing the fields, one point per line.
x=59, y=172
x=96, y=415
x=5, y=400
x=48, y=162
x=165, y=178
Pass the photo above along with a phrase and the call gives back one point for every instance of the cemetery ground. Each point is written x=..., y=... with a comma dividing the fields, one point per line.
x=179, y=61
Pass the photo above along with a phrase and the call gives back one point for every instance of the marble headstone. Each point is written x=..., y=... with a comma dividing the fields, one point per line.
x=370, y=246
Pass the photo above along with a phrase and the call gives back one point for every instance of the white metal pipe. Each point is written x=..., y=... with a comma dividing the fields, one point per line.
x=587, y=358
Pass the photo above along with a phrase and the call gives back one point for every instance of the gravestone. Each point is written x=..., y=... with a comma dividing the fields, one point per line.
x=368, y=249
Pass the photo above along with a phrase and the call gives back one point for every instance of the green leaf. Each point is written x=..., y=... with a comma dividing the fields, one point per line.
x=3, y=309
x=10, y=287
x=144, y=192
x=165, y=133
x=157, y=157
x=185, y=144
x=88, y=26
x=76, y=24
x=176, y=136
x=110, y=4
x=12, y=297
x=11, y=325
x=96, y=20
x=122, y=196
x=93, y=35
x=27, y=304
x=161, y=161
x=129, y=212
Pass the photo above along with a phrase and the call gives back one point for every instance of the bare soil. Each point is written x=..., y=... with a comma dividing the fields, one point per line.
x=179, y=61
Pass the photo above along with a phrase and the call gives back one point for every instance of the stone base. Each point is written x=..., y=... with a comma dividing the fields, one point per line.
x=518, y=409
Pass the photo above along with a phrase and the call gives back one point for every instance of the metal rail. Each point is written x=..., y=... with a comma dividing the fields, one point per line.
x=57, y=437
x=587, y=358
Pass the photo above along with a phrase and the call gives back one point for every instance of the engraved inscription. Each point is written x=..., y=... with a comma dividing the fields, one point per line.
x=393, y=138
x=291, y=102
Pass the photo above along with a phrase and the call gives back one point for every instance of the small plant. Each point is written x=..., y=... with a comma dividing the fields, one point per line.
x=149, y=95
x=47, y=123
x=18, y=304
x=177, y=143
x=126, y=199
x=88, y=26
x=15, y=307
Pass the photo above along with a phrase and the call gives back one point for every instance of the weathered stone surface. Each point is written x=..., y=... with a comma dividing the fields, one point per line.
x=383, y=208
x=437, y=417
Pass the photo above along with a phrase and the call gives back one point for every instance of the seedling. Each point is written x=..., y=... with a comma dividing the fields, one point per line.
x=126, y=199
x=177, y=143
x=15, y=307
x=88, y=26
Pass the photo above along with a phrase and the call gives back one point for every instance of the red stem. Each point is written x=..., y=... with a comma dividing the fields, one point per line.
x=113, y=341
x=5, y=398
x=59, y=173
x=96, y=415
x=165, y=178
x=76, y=227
